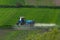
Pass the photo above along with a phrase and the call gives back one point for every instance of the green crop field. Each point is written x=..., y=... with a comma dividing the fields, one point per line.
x=10, y=2
x=7, y=2
x=9, y=16
x=28, y=2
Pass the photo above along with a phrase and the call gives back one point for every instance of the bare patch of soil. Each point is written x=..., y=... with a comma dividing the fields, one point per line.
x=30, y=2
x=57, y=2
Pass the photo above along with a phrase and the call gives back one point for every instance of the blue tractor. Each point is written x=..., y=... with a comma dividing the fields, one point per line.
x=22, y=21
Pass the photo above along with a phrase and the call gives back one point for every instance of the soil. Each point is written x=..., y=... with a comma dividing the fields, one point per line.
x=57, y=2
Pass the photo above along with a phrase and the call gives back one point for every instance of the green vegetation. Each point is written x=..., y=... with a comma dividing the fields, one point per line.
x=9, y=16
x=30, y=35
x=7, y=2
x=28, y=2
x=10, y=2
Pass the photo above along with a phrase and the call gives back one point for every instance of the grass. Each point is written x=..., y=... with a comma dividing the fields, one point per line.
x=31, y=35
x=28, y=2
x=7, y=2
x=10, y=2
x=9, y=16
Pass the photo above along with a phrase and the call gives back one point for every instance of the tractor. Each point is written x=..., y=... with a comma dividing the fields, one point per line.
x=23, y=21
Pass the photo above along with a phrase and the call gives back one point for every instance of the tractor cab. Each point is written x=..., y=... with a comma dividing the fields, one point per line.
x=22, y=20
